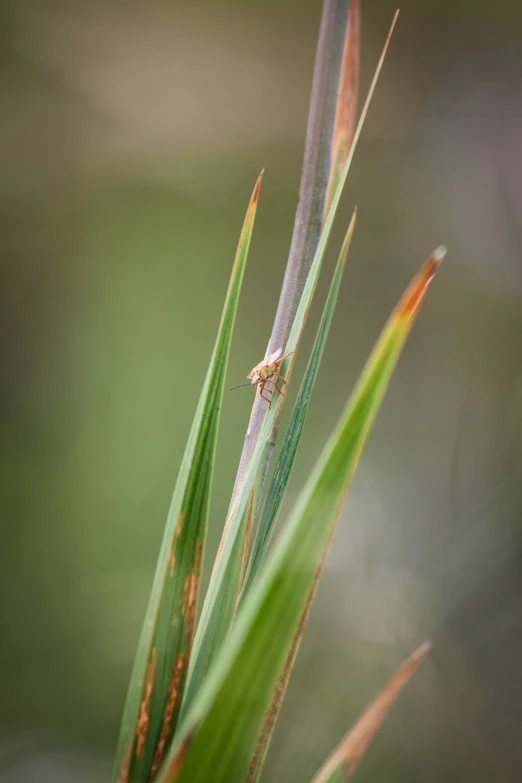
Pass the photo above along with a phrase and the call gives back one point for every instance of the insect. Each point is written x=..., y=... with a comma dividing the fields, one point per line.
x=264, y=373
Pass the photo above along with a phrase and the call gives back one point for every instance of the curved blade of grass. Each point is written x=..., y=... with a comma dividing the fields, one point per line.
x=225, y=718
x=258, y=759
x=272, y=713
x=343, y=762
x=222, y=595
x=346, y=110
x=273, y=502
x=286, y=459
x=156, y=686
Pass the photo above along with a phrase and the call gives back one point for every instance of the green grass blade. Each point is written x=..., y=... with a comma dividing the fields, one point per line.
x=258, y=758
x=286, y=459
x=220, y=731
x=154, y=696
x=223, y=592
x=343, y=762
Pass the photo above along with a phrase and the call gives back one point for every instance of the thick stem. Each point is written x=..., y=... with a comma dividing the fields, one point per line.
x=312, y=194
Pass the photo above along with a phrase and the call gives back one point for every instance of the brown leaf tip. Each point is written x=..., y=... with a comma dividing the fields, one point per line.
x=394, y=22
x=125, y=764
x=255, y=194
x=417, y=289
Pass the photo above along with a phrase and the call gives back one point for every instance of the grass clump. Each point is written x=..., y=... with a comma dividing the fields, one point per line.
x=203, y=699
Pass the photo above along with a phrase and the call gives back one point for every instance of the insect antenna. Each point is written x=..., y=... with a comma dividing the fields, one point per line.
x=239, y=385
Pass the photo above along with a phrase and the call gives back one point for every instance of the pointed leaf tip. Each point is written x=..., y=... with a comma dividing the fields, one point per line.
x=334, y=196
x=420, y=652
x=157, y=684
x=257, y=186
x=394, y=22
x=346, y=757
x=440, y=252
x=417, y=289
x=346, y=109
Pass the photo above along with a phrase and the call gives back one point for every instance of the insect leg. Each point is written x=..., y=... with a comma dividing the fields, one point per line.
x=261, y=390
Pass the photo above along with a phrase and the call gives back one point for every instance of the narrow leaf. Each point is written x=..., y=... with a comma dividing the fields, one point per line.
x=273, y=502
x=265, y=735
x=343, y=762
x=292, y=438
x=227, y=713
x=346, y=110
x=222, y=595
x=267, y=729
x=156, y=686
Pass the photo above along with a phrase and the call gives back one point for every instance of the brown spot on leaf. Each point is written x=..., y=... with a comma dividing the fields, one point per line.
x=142, y=725
x=168, y=714
x=190, y=593
x=177, y=532
x=125, y=764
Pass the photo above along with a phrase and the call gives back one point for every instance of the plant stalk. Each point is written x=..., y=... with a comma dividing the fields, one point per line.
x=310, y=208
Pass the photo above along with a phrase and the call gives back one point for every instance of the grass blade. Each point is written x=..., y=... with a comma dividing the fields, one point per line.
x=294, y=431
x=346, y=110
x=343, y=762
x=159, y=672
x=227, y=713
x=222, y=595
x=272, y=713
x=273, y=502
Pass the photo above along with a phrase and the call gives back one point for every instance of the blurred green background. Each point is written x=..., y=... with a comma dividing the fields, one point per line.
x=131, y=136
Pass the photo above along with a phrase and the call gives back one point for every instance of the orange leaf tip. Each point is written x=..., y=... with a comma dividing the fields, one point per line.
x=415, y=292
x=255, y=194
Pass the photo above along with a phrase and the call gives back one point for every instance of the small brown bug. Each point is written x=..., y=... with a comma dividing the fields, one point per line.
x=264, y=373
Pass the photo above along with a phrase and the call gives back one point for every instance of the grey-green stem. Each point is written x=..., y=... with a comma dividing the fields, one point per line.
x=310, y=208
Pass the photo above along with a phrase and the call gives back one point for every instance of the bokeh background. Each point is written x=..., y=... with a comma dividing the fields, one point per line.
x=131, y=136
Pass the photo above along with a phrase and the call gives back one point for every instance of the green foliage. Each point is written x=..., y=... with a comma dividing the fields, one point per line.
x=223, y=592
x=219, y=735
x=159, y=672
x=294, y=430
x=205, y=711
